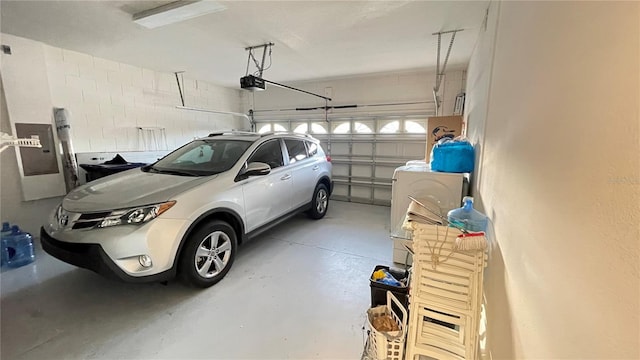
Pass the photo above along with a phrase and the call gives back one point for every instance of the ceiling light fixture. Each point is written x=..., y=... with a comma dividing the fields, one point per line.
x=175, y=12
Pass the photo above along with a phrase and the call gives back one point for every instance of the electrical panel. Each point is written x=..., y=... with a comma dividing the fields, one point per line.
x=38, y=161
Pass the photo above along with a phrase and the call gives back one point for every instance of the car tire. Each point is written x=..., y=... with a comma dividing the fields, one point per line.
x=208, y=254
x=319, y=202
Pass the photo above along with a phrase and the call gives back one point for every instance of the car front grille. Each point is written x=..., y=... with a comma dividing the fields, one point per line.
x=90, y=220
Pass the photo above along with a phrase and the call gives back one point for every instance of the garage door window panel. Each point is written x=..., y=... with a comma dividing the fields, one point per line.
x=315, y=129
x=415, y=127
x=390, y=128
x=358, y=128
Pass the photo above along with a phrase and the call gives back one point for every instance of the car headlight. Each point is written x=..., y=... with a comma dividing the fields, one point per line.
x=135, y=216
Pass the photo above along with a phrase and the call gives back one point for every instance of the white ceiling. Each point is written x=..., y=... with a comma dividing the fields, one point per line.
x=313, y=39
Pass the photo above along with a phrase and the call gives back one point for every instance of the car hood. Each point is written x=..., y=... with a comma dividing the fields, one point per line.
x=129, y=189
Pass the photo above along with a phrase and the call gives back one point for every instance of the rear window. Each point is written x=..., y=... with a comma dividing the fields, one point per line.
x=312, y=148
x=297, y=150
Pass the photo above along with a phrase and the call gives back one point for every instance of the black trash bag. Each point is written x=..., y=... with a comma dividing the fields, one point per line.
x=117, y=160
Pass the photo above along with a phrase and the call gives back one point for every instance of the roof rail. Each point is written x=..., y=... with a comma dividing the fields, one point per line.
x=285, y=133
x=231, y=132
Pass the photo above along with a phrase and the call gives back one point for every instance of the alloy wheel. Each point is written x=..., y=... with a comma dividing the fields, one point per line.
x=213, y=254
x=321, y=201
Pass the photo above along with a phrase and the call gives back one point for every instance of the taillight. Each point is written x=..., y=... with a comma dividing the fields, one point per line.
x=328, y=158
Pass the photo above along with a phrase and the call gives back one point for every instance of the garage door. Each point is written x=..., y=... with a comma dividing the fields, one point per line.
x=364, y=150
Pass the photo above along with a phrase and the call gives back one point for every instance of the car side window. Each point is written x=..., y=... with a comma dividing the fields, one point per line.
x=312, y=148
x=297, y=150
x=269, y=153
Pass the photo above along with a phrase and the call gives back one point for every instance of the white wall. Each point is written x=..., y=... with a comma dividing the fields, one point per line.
x=28, y=100
x=560, y=178
x=109, y=100
x=477, y=87
x=29, y=215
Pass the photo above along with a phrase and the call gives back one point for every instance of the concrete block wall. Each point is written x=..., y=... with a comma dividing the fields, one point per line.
x=109, y=101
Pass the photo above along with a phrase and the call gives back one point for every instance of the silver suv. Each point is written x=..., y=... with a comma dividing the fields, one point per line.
x=186, y=214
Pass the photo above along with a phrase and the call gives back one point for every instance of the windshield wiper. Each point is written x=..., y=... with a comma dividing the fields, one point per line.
x=172, y=171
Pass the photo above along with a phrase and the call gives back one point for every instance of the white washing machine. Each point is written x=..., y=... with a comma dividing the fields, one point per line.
x=442, y=189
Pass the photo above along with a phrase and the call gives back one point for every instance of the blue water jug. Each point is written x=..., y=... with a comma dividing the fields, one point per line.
x=467, y=217
x=455, y=156
x=6, y=231
x=19, y=248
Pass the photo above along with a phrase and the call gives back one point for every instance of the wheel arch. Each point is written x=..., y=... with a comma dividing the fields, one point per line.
x=326, y=182
x=225, y=214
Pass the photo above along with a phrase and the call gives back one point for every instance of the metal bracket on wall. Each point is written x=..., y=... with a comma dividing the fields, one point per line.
x=440, y=72
x=183, y=107
x=7, y=140
x=180, y=87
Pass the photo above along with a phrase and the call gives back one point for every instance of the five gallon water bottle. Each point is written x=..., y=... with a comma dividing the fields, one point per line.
x=467, y=217
x=18, y=247
x=6, y=231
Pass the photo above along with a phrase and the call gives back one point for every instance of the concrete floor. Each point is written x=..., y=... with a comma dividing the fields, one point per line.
x=299, y=291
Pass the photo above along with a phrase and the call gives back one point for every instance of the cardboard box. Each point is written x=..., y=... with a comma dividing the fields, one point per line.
x=442, y=126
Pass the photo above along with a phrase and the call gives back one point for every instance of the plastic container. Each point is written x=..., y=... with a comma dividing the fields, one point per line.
x=387, y=345
x=467, y=217
x=18, y=247
x=385, y=277
x=6, y=231
x=379, y=290
x=455, y=156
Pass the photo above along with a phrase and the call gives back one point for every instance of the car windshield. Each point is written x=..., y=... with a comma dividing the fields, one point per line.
x=201, y=158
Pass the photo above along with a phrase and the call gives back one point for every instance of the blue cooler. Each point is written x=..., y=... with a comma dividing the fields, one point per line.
x=453, y=156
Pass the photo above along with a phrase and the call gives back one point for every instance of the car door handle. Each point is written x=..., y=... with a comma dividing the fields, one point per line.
x=316, y=167
x=286, y=177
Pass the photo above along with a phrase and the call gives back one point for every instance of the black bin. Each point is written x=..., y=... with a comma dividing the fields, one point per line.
x=379, y=294
x=379, y=290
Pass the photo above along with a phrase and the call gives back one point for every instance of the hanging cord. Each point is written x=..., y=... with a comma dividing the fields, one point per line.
x=270, y=62
x=259, y=65
x=254, y=61
x=435, y=256
x=437, y=87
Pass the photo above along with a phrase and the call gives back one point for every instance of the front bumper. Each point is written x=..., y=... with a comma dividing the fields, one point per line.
x=94, y=258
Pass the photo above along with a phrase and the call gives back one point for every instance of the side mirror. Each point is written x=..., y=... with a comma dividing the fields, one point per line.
x=254, y=169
